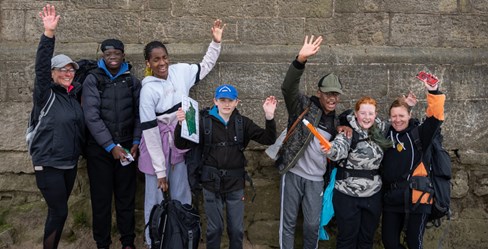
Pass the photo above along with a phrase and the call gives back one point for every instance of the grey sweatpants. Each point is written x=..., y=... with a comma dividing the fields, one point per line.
x=296, y=191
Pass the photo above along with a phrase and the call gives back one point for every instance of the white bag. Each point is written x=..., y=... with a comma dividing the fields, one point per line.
x=272, y=150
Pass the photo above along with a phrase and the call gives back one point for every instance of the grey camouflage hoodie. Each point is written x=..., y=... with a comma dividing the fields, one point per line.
x=366, y=156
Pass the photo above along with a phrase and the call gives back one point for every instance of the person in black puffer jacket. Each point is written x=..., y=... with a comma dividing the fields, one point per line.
x=57, y=144
x=111, y=105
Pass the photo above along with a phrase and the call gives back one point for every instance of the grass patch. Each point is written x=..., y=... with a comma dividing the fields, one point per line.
x=80, y=219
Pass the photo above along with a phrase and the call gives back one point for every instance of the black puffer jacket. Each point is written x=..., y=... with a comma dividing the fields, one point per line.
x=111, y=107
x=60, y=136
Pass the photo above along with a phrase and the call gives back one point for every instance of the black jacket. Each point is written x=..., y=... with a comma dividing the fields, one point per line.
x=111, y=107
x=60, y=137
x=400, y=161
x=229, y=157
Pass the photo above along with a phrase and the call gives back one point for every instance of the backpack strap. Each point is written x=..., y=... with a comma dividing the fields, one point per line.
x=207, y=132
x=294, y=125
x=416, y=138
x=239, y=131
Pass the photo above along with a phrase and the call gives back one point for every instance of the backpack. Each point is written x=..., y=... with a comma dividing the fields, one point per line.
x=85, y=66
x=195, y=157
x=35, y=122
x=174, y=225
x=439, y=171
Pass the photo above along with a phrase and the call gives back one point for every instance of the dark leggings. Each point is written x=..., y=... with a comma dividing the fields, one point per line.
x=392, y=225
x=55, y=186
x=357, y=219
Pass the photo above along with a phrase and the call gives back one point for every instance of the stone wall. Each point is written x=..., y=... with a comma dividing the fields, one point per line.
x=375, y=46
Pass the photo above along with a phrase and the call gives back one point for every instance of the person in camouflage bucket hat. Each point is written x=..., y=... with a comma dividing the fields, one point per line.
x=357, y=195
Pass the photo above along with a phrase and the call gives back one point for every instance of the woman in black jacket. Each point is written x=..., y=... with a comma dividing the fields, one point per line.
x=402, y=162
x=56, y=145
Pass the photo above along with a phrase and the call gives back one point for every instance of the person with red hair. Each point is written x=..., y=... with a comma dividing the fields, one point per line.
x=357, y=190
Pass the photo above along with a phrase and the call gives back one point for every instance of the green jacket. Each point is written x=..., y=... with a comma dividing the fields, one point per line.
x=296, y=102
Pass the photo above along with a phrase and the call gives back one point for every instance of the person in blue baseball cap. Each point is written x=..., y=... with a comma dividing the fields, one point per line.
x=226, y=133
x=226, y=100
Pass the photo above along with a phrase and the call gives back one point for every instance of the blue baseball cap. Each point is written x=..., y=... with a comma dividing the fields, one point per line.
x=226, y=92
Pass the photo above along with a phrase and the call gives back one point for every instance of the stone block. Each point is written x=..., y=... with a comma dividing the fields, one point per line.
x=465, y=82
x=463, y=117
x=430, y=7
x=347, y=6
x=157, y=25
x=120, y=24
x=460, y=186
x=24, y=4
x=459, y=31
x=14, y=116
x=271, y=31
x=18, y=183
x=418, y=30
x=97, y=4
x=471, y=157
x=305, y=9
x=109, y=5
x=479, y=6
x=482, y=187
x=12, y=23
x=351, y=29
x=254, y=82
x=160, y=4
x=17, y=80
x=15, y=162
x=226, y=8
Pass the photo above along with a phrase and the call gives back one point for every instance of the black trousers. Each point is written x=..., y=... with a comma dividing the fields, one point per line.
x=108, y=177
x=392, y=225
x=357, y=219
x=55, y=186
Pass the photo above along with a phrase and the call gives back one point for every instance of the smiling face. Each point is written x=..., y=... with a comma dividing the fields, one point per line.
x=63, y=76
x=366, y=115
x=158, y=61
x=399, y=118
x=328, y=100
x=113, y=58
x=400, y=114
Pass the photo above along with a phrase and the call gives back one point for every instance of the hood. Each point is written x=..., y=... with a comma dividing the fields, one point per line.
x=351, y=118
x=124, y=67
x=149, y=79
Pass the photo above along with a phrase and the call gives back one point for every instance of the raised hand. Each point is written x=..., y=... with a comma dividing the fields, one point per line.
x=310, y=47
x=49, y=19
x=269, y=107
x=411, y=99
x=217, y=30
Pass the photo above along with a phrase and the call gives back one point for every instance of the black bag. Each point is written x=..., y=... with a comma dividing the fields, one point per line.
x=174, y=225
x=85, y=67
x=439, y=164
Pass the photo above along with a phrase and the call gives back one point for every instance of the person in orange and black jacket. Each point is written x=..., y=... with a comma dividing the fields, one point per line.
x=403, y=161
x=57, y=144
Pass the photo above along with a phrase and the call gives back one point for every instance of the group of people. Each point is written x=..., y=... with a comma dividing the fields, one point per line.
x=121, y=121
x=361, y=145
